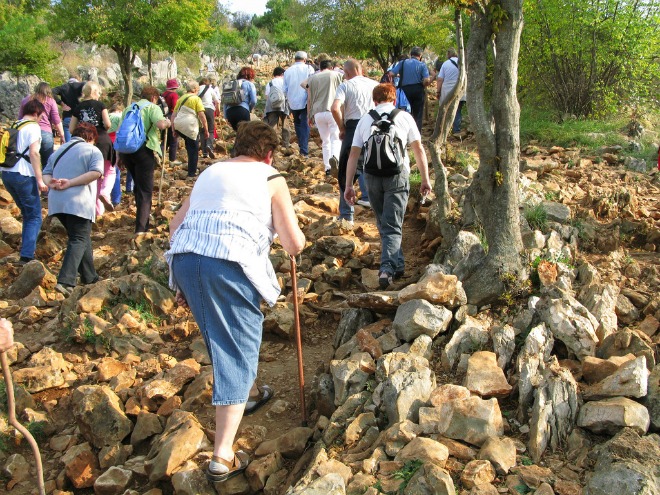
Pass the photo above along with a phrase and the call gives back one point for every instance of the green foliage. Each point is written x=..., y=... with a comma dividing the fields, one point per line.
x=36, y=429
x=526, y=461
x=536, y=217
x=286, y=22
x=565, y=260
x=23, y=37
x=407, y=472
x=551, y=195
x=142, y=307
x=383, y=29
x=590, y=58
x=415, y=179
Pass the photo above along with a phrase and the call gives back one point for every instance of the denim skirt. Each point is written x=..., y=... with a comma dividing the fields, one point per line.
x=225, y=305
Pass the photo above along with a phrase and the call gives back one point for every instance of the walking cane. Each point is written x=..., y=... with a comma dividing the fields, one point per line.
x=11, y=412
x=162, y=170
x=296, y=316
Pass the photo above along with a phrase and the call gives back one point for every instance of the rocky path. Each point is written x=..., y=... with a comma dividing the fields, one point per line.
x=410, y=391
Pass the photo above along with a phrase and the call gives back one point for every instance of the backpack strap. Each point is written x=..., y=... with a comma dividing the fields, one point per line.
x=374, y=114
x=18, y=125
x=455, y=64
x=65, y=151
x=206, y=88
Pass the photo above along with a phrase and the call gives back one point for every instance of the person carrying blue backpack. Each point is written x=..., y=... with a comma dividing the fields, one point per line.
x=415, y=77
x=137, y=142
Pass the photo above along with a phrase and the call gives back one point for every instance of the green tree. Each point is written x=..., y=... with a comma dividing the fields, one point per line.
x=593, y=56
x=23, y=37
x=127, y=26
x=286, y=21
x=382, y=29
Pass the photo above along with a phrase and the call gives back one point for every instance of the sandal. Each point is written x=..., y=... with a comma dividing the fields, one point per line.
x=265, y=394
x=236, y=466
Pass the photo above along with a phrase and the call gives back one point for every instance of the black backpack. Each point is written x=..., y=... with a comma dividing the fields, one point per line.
x=232, y=92
x=9, y=154
x=383, y=150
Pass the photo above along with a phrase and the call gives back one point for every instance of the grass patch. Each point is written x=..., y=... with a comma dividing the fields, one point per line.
x=415, y=183
x=407, y=472
x=36, y=429
x=142, y=307
x=149, y=269
x=536, y=217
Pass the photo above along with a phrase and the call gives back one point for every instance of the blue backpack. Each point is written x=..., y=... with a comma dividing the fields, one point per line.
x=131, y=135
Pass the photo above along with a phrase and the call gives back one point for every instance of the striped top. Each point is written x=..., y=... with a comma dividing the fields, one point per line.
x=230, y=218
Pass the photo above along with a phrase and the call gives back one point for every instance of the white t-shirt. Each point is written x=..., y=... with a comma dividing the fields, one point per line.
x=27, y=135
x=449, y=75
x=404, y=127
x=209, y=98
x=356, y=95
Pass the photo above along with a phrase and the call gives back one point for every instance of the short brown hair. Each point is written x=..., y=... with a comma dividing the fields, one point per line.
x=255, y=139
x=86, y=131
x=149, y=93
x=246, y=73
x=33, y=107
x=384, y=92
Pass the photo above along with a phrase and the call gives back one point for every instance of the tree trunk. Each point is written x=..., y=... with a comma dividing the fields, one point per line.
x=494, y=190
x=126, y=57
x=151, y=74
x=438, y=223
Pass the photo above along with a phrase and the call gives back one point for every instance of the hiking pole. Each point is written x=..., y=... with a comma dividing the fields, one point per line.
x=11, y=412
x=296, y=316
x=162, y=170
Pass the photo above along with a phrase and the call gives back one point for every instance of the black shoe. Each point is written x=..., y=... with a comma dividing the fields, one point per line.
x=384, y=280
x=211, y=154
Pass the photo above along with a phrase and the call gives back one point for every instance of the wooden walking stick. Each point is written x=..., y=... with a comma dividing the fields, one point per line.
x=162, y=170
x=11, y=412
x=296, y=316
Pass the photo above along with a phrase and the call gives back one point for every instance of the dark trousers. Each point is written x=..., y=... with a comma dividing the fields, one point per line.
x=301, y=126
x=192, y=148
x=276, y=118
x=236, y=115
x=172, y=142
x=416, y=96
x=78, y=258
x=206, y=144
x=141, y=165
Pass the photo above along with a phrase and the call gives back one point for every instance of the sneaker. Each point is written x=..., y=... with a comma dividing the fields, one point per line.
x=65, y=290
x=176, y=162
x=334, y=166
x=363, y=202
x=384, y=280
x=107, y=203
x=340, y=220
x=328, y=173
x=211, y=154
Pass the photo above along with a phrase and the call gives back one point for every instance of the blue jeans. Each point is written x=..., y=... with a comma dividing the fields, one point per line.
x=115, y=195
x=456, y=128
x=26, y=195
x=389, y=198
x=225, y=305
x=78, y=257
x=65, y=123
x=47, y=147
x=130, y=185
x=302, y=129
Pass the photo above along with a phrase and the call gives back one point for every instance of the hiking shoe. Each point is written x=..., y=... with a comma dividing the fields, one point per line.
x=340, y=220
x=384, y=280
x=211, y=154
x=65, y=290
x=398, y=274
x=106, y=202
x=176, y=162
x=334, y=166
x=363, y=202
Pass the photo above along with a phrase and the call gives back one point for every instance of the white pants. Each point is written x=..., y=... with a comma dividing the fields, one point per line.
x=329, y=132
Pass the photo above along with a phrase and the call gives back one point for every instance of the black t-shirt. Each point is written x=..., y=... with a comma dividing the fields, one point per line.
x=68, y=93
x=91, y=111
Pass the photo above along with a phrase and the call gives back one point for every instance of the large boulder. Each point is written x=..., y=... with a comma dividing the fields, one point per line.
x=484, y=377
x=419, y=317
x=34, y=274
x=611, y=415
x=436, y=288
x=100, y=415
x=404, y=392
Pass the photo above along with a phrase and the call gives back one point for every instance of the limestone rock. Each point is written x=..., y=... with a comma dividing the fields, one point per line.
x=291, y=444
x=260, y=469
x=625, y=310
x=652, y=399
x=279, y=320
x=108, y=368
x=113, y=482
x=430, y=480
x=350, y=375
x=626, y=465
x=447, y=393
x=330, y=484
x=383, y=302
x=484, y=377
x=190, y=480
x=571, y=323
x=625, y=342
x=351, y=321
x=33, y=275
x=595, y=369
x=147, y=425
x=472, y=420
x=477, y=472
x=182, y=439
x=114, y=455
x=335, y=466
x=629, y=380
x=100, y=416
x=436, y=288
x=554, y=411
x=556, y=212
x=504, y=344
x=164, y=386
x=17, y=468
x=530, y=363
x=404, y=392
x=601, y=302
x=419, y=317
x=469, y=337
x=461, y=247
x=611, y=415
x=501, y=452
x=81, y=465
x=426, y=450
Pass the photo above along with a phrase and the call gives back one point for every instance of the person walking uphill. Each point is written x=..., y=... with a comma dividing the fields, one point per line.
x=171, y=98
x=67, y=95
x=71, y=175
x=219, y=266
x=322, y=88
x=49, y=118
x=388, y=193
x=240, y=112
x=276, y=111
x=446, y=81
x=188, y=113
x=415, y=77
x=297, y=98
x=142, y=163
x=24, y=180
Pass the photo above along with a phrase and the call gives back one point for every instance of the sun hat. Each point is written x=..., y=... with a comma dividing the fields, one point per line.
x=172, y=84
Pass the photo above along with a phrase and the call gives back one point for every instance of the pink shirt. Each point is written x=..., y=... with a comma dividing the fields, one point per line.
x=48, y=119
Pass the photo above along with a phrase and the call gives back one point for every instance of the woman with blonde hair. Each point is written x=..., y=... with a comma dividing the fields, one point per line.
x=94, y=112
x=44, y=94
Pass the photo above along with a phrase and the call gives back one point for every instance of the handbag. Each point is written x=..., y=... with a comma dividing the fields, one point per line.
x=186, y=121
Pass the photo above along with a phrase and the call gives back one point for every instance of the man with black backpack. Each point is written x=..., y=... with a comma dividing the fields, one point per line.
x=414, y=77
x=385, y=133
